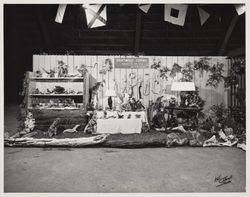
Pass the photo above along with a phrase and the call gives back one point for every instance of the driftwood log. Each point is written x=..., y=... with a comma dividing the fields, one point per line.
x=53, y=142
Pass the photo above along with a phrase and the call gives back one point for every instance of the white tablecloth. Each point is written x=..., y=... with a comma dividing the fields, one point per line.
x=119, y=126
x=142, y=114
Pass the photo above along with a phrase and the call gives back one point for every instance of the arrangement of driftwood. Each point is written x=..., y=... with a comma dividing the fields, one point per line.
x=53, y=142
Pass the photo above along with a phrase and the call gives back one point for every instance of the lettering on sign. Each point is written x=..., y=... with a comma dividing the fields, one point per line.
x=133, y=63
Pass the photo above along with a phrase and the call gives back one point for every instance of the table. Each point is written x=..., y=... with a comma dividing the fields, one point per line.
x=125, y=122
x=119, y=126
x=192, y=109
x=133, y=115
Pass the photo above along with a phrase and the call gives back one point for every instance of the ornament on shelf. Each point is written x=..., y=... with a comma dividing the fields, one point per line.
x=63, y=69
x=50, y=73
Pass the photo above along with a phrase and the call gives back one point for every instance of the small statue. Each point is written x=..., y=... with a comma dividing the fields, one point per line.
x=63, y=69
x=51, y=73
x=38, y=73
x=82, y=70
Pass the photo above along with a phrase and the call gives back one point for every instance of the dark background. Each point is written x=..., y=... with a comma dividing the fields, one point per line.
x=30, y=29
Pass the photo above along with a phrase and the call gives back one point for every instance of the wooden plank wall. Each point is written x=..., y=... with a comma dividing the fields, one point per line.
x=150, y=77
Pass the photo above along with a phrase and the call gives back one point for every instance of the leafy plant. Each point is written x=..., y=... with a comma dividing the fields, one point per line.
x=191, y=99
x=164, y=72
x=202, y=65
x=175, y=69
x=187, y=72
x=216, y=75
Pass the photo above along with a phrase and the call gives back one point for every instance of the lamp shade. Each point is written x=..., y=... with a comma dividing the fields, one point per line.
x=183, y=86
x=110, y=93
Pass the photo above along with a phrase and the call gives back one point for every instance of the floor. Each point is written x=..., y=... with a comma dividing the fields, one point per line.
x=180, y=169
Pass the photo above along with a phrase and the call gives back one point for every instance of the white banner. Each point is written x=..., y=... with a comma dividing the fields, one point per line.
x=96, y=15
x=175, y=13
x=60, y=13
x=203, y=15
x=144, y=7
x=240, y=8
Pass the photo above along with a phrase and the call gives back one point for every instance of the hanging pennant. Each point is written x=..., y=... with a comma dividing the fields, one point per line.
x=96, y=15
x=144, y=7
x=60, y=13
x=240, y=8
x=175, y=13
x=203, y=15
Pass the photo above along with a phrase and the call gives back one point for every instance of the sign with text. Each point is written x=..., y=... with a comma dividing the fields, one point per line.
x=131, y=62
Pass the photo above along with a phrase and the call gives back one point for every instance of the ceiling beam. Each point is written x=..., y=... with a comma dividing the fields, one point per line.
x=237, y=52
x=228, y=34
x=137, y=32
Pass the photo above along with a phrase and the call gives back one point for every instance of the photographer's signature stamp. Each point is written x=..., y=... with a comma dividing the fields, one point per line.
x=223, y=180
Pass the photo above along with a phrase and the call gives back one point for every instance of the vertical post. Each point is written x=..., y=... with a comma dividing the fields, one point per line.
x=137, y=31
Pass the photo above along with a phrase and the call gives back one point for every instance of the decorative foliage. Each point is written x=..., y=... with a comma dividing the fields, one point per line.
x=156, y=64
x=175, y=69
x=230, y=81
x=202, y=65
x=191, y=99
x=164, y=73
x=187, y=72
x=216, y=75
x=29, y=123
x=218, y=113
x=237, y=68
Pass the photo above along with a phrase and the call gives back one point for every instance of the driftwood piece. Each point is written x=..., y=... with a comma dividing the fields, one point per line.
x=71, y=130
x=52, y=142
x=30, y=134
x=53, y=129
x=150, y=139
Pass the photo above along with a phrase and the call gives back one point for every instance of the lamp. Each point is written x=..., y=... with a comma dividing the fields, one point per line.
x=183, y=86
x=110, y=93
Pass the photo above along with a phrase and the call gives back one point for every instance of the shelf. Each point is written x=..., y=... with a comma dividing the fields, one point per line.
x=55, y=95
x=54, y=108
x=50, y=79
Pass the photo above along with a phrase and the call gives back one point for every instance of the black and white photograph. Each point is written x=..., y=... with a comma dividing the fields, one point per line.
x=124, y=98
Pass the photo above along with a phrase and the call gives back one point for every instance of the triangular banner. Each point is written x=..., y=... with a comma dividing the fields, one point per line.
x=175, y=13
x=60, y=13
x=144, y=7
x=96, y=15
x=240, y=8
x=203, y=15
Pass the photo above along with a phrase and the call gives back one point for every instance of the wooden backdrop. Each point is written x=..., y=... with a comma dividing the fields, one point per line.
x=117, y=76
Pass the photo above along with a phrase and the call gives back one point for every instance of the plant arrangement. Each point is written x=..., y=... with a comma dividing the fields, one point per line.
x=175, y=69
x=187, y=72
x=191, y=99
x=202, y=65
x=237, y=68
x=156, y=64
x=164, y=72
x=216, y=75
